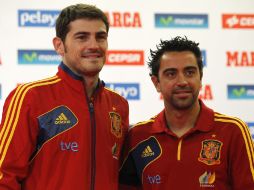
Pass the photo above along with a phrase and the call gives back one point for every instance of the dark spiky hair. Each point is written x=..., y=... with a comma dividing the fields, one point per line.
x=175, y=44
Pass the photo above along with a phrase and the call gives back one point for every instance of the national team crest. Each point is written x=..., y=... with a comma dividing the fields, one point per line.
x=210, y=152
x=115, y=124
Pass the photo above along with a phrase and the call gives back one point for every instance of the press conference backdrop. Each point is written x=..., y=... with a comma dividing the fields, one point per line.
x=224, y=29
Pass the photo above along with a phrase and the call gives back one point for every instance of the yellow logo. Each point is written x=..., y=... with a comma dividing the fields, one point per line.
x=1, y=175
x=62, y=119
x=207, y=179
x=116, y=120
x=210, y=152
x=147, y=152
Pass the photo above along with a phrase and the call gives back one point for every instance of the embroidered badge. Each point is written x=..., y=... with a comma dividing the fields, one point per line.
x=210, y=152
x=115, y=124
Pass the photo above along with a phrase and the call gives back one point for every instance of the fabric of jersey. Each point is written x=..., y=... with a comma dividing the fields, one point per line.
x=53, y=137
x=216, y=154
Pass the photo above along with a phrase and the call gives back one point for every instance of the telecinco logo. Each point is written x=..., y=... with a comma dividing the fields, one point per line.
x=38, y=57
x=243, y=21
x=240, y=91
x=37, y=18
x=181, y=20
x=125, y=57
x=130, y=91
x=251, y=126
x=240, y=59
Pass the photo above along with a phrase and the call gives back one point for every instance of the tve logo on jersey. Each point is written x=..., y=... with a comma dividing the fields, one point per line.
x=124, y=19
x=121, y=57
x=181, y=20
x=234, y=21
x=240, y=91
x=251, y=126
x=240, y=59
x=130, y=91
x=203, y=52
x=38, y=57
x=37, y=18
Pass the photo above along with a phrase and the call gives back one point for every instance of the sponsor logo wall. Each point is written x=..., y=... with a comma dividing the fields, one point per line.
x=225, y=36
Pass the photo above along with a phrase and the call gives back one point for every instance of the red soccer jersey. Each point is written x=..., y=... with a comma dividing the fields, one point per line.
x=53, y=138
x=216, y=154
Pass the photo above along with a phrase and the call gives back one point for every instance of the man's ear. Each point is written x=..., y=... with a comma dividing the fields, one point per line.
x=58, y=45
x=156, y=82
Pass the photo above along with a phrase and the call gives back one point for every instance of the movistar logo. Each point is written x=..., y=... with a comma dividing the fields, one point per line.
x=30, y=57
x=181, y=20
x=166, y=20
x=38, y=57
x=241, y=91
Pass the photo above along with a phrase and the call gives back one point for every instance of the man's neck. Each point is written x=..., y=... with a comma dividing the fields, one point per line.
x=181, y=121
x=90, y=84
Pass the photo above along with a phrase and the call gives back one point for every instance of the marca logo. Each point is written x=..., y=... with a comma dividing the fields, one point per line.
x=125, y=19
x=117, y=57
x=130, y=91
x=240, y=91
x=205, y=92
x=240, y=59
x=251, y=126
x=181, y=20
x=38, y=57
x=203, y=52
x=243, y=21
x=37, y=18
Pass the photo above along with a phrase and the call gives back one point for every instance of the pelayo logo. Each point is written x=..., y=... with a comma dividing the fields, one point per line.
x=37, y=18
x=130, y=91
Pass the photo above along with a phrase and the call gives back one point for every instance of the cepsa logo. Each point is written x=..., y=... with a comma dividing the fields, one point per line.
x=181, y=20
x=124, y=19
x=37, y=18
x=125, y=57
x=38, y=57
x=240, y=21
x=240, y=91
x=130, y=91
x=251, y=126
x=240, y=59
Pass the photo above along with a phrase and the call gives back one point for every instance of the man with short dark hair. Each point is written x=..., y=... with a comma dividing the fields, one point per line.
x=187, y=145
x=66, y=132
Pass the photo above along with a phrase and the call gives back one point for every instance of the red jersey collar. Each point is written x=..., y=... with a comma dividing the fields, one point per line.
x=204, y=122
x=73, y=79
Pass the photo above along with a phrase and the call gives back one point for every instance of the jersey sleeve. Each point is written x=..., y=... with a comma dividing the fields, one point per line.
x=128, y=177
x=242, y=158
x=17, y=140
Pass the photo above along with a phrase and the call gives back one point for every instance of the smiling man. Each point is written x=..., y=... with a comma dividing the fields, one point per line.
x=187, y=145
x=66, y=132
